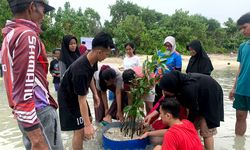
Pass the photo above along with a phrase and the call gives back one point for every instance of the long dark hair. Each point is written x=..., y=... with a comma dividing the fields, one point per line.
x=68, y=57
x=106, y=73
x=132, y=45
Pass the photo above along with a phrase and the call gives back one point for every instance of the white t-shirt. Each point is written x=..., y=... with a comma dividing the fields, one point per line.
x=118, y=80
x=130, y=62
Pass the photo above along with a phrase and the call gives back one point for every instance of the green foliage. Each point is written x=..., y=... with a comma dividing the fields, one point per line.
x=5, y=14
x=131, y=29
x=142, y=86
x=145, y=27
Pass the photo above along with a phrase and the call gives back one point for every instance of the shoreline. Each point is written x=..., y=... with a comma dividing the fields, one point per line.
x=219, y=61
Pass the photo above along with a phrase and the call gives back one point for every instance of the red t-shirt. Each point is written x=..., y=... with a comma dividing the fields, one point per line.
x=182, y=137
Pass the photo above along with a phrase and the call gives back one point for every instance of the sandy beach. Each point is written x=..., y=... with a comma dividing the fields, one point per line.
x=220, y=61
x=224, y=72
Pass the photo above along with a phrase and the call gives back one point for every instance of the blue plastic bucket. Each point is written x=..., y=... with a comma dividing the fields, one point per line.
x=109, y=144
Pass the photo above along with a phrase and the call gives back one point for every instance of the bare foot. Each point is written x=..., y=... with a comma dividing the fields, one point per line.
x=107, y=118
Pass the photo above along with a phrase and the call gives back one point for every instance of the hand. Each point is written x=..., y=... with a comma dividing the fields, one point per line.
x=96, y=100
x=37, y=140
x=119, y=116
x=231, y=95
x=147, y=119
x=146, y=134
x=88, y=132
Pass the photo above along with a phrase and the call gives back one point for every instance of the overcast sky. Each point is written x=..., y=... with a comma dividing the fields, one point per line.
x=220, y=10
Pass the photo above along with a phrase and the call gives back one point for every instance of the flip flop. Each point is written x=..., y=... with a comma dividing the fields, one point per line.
x=104, y=123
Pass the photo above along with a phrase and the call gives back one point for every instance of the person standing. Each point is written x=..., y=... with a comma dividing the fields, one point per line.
x=72, y=93
x=172, y=62
x=240, y=90
x=69, y=53
x=25, y=67
x=131, y=60
x=199, y=61
x=54, y=68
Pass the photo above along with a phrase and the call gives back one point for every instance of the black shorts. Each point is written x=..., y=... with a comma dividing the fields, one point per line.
x=71, y=119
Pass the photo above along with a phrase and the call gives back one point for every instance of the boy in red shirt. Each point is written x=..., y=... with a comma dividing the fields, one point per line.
x=181, y=135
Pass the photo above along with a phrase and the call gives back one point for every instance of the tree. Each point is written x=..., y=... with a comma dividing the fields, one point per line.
x=93, y=22
x=5, y=14
x=233, y=38
x=120, y=10
x=130, y=29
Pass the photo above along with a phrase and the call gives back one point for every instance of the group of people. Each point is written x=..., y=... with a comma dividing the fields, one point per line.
x=196, y=93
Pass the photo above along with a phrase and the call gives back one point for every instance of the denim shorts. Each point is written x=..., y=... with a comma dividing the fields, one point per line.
x=241, y=102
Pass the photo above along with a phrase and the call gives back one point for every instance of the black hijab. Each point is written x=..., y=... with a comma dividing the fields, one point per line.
x=68, y=57
x=173, y=81
x=200, y=63
x=201, y=94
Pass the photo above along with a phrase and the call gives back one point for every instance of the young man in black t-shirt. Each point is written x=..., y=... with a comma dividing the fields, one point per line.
x=72, y=94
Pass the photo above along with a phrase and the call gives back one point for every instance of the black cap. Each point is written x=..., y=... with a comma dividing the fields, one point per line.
x=47, y=7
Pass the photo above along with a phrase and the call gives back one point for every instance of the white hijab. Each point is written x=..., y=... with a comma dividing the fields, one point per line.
x=170, y=40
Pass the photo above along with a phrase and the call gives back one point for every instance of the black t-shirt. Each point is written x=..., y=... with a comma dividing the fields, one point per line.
x=75, y=81
x=54, y=69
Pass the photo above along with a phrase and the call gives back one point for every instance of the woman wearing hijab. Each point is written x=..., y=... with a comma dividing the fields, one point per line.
x=69, y=53
x=172, y=60
x=202, y=95
x=199, y=61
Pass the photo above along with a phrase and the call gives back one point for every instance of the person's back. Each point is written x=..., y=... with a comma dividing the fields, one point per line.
x=182, y=137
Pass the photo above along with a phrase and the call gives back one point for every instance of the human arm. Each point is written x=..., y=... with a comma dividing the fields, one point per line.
x=105, y=101
x=157, y=147
x=138, y=61
x=178, y=64
x=159, y=133
x=130, y=100
x=88, y=127
x=94, y=92
x=24, y=68
x=231, y=93
x=51, y=68
x=62, y=67
x=148, y=118
x=119, y=113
